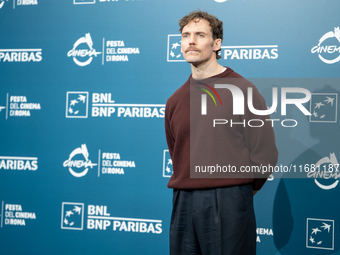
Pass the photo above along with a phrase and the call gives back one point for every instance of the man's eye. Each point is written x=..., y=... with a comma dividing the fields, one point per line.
x=185, y=36
x=201, y=35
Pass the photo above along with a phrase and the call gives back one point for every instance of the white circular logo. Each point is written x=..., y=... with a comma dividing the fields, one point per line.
x=329, y=48
x=83, y=52
x=79, y=163
x=326, y=168
x=271, y=177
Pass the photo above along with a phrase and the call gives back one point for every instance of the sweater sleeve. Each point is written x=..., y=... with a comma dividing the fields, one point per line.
x=168, y=134
x=260, y=141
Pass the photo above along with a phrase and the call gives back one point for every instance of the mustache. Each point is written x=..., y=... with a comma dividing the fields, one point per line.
x=191, y=48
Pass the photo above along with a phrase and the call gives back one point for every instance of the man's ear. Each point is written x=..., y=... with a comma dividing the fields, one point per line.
x=217, y=44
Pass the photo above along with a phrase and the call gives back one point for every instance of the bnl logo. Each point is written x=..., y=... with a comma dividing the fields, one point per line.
x=174, y=53
x=72, y=216
x=77, y=104
x=167, y=164
x=320, y=234
x=323, y=107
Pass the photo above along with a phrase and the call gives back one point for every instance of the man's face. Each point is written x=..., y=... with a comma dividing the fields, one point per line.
x=197, y=43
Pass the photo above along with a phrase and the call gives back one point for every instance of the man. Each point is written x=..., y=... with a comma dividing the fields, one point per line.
x=213, y=216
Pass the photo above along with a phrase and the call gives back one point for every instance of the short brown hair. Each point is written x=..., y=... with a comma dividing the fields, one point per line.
x=215, y=24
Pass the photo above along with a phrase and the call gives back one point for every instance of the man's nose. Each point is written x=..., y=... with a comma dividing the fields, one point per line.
x=192, y=40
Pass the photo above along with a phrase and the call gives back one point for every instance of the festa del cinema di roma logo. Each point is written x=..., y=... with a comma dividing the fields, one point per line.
x=83, y=56
x=327, y=47
x=76, y=160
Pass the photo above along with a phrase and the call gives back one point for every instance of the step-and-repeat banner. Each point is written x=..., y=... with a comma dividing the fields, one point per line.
x=83, y=85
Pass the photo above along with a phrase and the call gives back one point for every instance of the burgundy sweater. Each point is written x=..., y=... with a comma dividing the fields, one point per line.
x=237, y=146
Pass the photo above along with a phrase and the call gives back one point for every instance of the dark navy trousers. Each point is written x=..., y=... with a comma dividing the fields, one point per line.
x=217, y=221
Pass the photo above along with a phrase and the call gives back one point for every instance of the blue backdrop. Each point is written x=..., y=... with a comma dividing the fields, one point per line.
x=83, y=157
